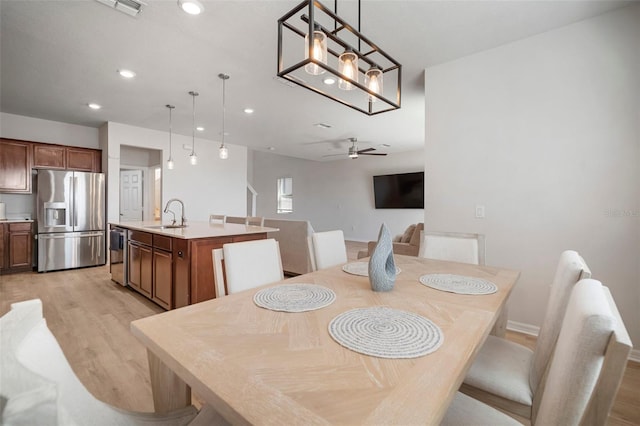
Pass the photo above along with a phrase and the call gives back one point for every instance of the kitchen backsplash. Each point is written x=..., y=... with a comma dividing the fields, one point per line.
x=19, y=206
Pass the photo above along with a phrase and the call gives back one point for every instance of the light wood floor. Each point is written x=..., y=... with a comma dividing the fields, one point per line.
x=89, y=314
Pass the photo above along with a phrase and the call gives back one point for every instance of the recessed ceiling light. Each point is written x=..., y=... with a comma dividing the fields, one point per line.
x=272, y=148
x=127, y=73
x=323, y=125
x=329, y=81
x=192, y=7
x=248, y=110
x=200, y=129
x=93, y=105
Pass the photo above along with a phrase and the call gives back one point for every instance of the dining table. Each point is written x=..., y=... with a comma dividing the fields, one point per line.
x=261, y=366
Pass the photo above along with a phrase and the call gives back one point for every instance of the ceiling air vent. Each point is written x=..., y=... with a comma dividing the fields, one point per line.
x=130, y=7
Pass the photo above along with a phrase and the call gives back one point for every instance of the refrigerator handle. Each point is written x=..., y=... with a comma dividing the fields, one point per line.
x=75, y=204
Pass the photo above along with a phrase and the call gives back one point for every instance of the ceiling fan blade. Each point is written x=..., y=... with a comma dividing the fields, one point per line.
x=366, y=150
x=372, y=153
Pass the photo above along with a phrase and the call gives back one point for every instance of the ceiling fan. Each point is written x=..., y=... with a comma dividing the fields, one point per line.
x=354, y=152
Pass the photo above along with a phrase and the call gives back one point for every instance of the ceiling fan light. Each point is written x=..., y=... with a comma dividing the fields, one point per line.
x=353, y=152
x=348, y=67
x=318, y=52
x=192, y=7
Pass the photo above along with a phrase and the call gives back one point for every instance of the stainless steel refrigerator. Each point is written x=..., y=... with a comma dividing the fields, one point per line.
x=71, y=219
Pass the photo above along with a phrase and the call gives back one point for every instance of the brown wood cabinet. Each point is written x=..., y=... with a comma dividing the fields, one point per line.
x=150, y=266
x=86, y=160
x=16, y=247
x=48, y=156
x=15, y=163
x=140, y=262
x=17, y=158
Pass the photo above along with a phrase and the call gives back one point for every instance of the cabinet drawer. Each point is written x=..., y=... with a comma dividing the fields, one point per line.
x=19, y=227
x=162, y=242
x=141, y=237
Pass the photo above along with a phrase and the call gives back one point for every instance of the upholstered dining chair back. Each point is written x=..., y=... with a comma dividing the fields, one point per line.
x=217, y=218
x=588, y=361
x=247, y=265
x=571, y=269
x=326, y=249
x=39, y=387
x=452, y=246
x=254, y=220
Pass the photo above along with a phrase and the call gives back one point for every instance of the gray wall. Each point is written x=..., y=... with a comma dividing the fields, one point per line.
x=335, y=194
x=544, y=132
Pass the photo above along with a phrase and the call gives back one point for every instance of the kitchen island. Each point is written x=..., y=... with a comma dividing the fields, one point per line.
x=173, y=266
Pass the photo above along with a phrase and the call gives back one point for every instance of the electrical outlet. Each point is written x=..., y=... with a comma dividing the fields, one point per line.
x=479, y=211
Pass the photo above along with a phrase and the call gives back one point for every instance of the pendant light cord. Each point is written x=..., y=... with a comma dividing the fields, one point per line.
x=224, y=105
x=193, y=125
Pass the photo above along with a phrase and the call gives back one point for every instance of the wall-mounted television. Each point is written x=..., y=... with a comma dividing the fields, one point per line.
x=399, y=191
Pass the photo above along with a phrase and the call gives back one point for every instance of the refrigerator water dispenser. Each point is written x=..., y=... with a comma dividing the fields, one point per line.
x=55, y=214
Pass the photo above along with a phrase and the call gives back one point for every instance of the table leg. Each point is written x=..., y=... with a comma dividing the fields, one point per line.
x=169, y=391
x=500, y=327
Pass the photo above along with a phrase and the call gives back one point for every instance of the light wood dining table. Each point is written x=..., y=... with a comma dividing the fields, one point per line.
x=257, y=366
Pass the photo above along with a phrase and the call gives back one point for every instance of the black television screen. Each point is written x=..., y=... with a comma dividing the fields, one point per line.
x=399, y=191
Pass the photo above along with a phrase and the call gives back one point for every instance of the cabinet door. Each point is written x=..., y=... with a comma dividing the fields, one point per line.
x=49, y=156
x=3, y=244
x=19, y=249
x=146, y=271
x=134, y=265
x=15, y=163
x=80, y=159
x=163, y=282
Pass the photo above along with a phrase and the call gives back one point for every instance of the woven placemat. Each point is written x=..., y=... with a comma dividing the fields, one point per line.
x=294, y=297
x=361, y=268
x=458, y=284
x=386, y=333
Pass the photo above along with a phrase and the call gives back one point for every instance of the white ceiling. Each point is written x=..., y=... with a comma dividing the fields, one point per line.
x=56, y=56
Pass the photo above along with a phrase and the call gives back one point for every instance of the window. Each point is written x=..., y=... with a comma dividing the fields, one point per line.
x=285, y=195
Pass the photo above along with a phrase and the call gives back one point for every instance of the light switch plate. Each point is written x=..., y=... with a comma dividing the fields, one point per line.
x=479, y=211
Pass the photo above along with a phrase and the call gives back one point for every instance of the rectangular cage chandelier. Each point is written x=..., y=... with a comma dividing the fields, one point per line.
x=321, y=52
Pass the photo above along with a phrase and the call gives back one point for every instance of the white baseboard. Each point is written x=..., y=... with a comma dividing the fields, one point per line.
x=534, y=330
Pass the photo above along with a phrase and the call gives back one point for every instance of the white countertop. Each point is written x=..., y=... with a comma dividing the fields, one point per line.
x=196, y=229
x=16, y=220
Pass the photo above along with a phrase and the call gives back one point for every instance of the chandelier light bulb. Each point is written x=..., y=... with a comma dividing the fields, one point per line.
x=373, y=81
x=319, y=52
x=348, y=67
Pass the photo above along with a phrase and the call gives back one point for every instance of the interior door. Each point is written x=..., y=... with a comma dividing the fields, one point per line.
x=131, y=205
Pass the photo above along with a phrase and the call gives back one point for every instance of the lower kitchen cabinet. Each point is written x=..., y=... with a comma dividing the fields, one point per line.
x=162, y=282
x=16, y=247
x=150, y=264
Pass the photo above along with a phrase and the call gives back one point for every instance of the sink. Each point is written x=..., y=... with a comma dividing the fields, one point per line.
x=165, y=226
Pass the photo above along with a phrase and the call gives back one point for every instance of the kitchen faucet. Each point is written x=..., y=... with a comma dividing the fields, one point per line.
x=166, y=210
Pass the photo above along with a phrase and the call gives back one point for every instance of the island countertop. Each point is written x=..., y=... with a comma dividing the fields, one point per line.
x=195, y=230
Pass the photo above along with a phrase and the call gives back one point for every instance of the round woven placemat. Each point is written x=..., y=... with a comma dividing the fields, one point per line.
x=294, y=297
x=458, y=284
x=361, y=268
x=386, y=333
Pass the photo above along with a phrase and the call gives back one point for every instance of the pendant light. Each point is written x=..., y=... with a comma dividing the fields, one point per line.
x=193, y=158
x=373, y=81
x=318, y=51
x=170, y=160
x=223, y=151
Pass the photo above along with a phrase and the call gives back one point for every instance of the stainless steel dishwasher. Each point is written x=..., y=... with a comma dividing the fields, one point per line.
x=118, y=254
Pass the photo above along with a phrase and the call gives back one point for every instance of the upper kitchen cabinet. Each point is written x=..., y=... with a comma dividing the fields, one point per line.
x=15, y=164
x=86, y=160
x=46, y=156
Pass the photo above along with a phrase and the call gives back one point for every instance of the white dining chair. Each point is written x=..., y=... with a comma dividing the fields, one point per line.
x=584, y=373
x=326, y=249
x=506, y=374
x=247, y=264
x=217, y=218
x=254, y=220
x=452, y=246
